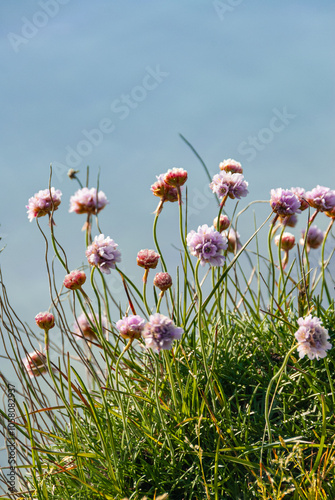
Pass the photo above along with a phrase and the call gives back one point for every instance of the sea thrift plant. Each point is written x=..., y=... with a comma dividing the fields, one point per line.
x=301, y=195
x=312, y=338
x=43, y=203
x=321, y=198
x=147, y=259
x=284, y=202
x=163, y=191
x=287, y=241
x=226, y=184
x=103, y=253
x=35, y=363
x=207, y=245
x=224, y=223
x=130, y=327
x=231, y=166
x=314, y=237
x=175, y=177
x=163, y=281
x=160, y=332
x=87, y=329
x=45, y=320
x=74, y=280
x=87, y=201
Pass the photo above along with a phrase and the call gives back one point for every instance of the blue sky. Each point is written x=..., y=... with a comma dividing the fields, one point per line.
x=249, y=80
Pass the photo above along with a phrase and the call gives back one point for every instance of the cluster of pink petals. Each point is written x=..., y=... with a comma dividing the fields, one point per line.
x=45, y=320
x=321, y=198
x=131, y=327
x=287, y=241
x=35, y=363
x=312, y=338
x=74, y=280
x=314, y=237
x=83, y=328
x=284, y=202
x=160, y=332
x=175, y=177
x=103, y=253
x=301, y=195
x=43, y=202
x=147, y=259
x=87, y=201
x=231, y=166
x=227, y=184
x=207, y=245
x=163, y=281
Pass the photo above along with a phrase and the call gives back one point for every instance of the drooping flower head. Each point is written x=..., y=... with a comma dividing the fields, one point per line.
x=284, y=202
x=87, y=201
x=160, y=332
x=45, y=320
x=231, y=166
x=130, y=327
x=287, y=241
x=43, y=202
x=84, y=329
x=224, y=223
x=103, y=253
x=314, y=237
x=163, y=281
x=147, y=259
x=227, y=184
x=233, y=238
x=175, y=177
x=312, y=338
x=321, y=198
x=301, y=195
x=164, y=191
x=35, y=363
x=74, y=280
x=207, y=245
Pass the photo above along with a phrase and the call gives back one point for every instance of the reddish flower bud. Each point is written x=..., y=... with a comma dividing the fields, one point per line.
x=147, y=259
x=287, y=241
x=231, y=166
x=163, y=281
x=224, y=223
x=35, y=364
x=74, y=280
x=45, y=320
x=175, y=177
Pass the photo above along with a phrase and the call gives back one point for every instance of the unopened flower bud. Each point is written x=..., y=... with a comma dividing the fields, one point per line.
x=74, y=280
x=147, y=259
x=224, y=223
x=45, y=320
x=231, y=166
x=175, y=177
x=35, y=364
x=163, y=281
x=287, y=241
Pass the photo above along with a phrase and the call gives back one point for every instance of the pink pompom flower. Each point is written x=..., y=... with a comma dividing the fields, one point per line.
x=43, y=202
x=103, y=253
x=160, y=332
x=130, y=327
x=231, y=166
x=163, y=281
x=87, y=201
x=226, y=184
x=207, y=245
x=284, y=202
x=175, y=177
x=74, y=280
x=321, y=198
x=84, y=329
x=312, y=338
x=45, y=320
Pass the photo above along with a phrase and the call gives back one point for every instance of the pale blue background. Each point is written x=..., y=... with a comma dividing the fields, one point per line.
x=230, y=66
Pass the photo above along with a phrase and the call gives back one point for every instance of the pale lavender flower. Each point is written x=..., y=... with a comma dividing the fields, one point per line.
x=207, y=244
x=83, y=327
x=227, y=184
x=130, y=327
x=103, y=253
x=42, y=203
x=321, y=198
x=312, y=338
x=314, y=237
x=160, y=332
x=284, y=202
x=87, y=201
x=301, y=195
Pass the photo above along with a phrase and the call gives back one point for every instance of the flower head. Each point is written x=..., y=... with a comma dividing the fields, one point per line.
x=227, y=184
x=43, y=202
x=87, y=201
x=175, y=177
x=312, y=338
x=74, y=280
x=301, y=195
x=207, y=244
x=231, y=166
x=45, y=320
x=287, y=241
x=148, y=259
x=233, y=238
x=321, y=198
x=224, y=223
x=284, y=202
x=103, y=253
x=314, y=237
x=130, y=327
x=160, y=332
x=35, y=363
x=163, y=190
x=289, y=220
x=83, y=328
x=163, y=281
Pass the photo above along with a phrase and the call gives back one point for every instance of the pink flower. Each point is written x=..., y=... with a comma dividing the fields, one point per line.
x=103, y=253
x=284, y=202
x=35, y=363
x=231, y=166
x=74, y=280
x=147, y=259
x=160, y=332
x=87, y=201
x=224, y=223
x=175, y=177
x=83, y=327
x=321, y=198
x=227, y=184
x=163, y=281
x=289, y=220
x=287, y=241
x=207, y=244
x=301, y=195
x=312, y=338
x=130, y=327
x=314, y=237
x=45, y=320
x=43, y=202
